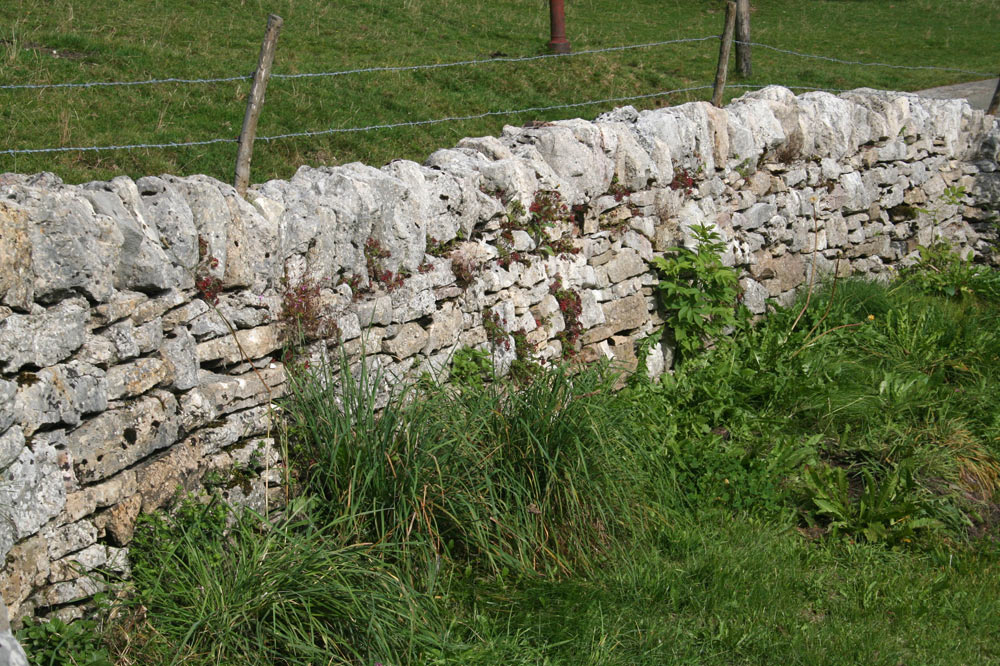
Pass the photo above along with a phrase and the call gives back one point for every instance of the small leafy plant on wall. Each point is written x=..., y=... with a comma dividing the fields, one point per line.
x=546, y=214
x=571, y=307
x=208, y=285
x=303, y=319
x=697, y=292
x=523, y=368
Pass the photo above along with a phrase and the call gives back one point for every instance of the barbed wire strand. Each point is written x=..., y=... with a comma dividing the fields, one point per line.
x=387, y=68
x=476, y=116
x=128, y=147
x=866, y=64
x=338, y=130
x=100, y=84
x=405, y=68
x=459, y=63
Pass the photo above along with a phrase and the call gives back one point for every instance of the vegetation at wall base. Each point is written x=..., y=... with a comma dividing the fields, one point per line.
x=818, y=488
x=69, y=41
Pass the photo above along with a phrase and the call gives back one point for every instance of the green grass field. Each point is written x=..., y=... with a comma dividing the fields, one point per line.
x=70, y=41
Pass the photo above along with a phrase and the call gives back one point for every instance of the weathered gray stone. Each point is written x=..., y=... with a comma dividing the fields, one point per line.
x=119, y=306
x=754, y=295
x=410, y=339
x=250, y=344
x=59, y=394
x=43, y=339
x=69, y=591
x=167, y=209
x=11, y=445
x=72, y=249
x=756, y=216
x=31, y=492
x=626, y=264
x=132, y=379
x=7, y=392
x=118, y=438
x=16, y=279
x=70, y=538
x=445, y=328
x=222, y=394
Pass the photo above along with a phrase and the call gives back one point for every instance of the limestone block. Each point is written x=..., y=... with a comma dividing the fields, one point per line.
x=226, y=431
x=132, y=379
x=11, y=444
x=27, y=568
x=143, y=263
x=754, y=295
x=410, y=339
x=120, y=305
x=120, y=437
x=32, y=492
x=779, y=274
x=166, y=208
x=43, y=339
x=70, y=538
x=836, y=230
x=239, y=234
x=69, y=591
x=119, y=521
x=634, y=168
x=756, y=216
x=180, y=352
x=59, y=394
x=254, y=343
x=72, y=248
x=156, y=307
x=574, y=149
x=16, y=279
x=222, y=394
x=445, y=328
x=71, y=566
x=625, y=314
x=7, y=392
x=376, y=311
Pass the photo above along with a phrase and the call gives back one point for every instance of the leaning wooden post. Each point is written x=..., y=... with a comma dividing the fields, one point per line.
x=255, y=103
x=743, y=65
x=727, y=42
x=995, y=102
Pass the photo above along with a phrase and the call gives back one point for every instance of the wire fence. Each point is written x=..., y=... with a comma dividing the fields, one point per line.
x=436, y=66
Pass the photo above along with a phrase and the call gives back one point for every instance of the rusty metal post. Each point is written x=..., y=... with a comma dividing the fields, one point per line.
x=255, y=102
x=557, y=13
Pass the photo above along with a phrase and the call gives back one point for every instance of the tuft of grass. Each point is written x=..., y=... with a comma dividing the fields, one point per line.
x=491, y=476
x=219, y=588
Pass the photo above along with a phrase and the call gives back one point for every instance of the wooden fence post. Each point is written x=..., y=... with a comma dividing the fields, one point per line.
x=743, y=65
x=255, y=102
x=995, y=102
x=727, y=42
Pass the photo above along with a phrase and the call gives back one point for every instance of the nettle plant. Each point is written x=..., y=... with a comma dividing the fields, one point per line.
x=697, y=292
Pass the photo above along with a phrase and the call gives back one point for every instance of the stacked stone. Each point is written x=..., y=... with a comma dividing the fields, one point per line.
x=143, y=323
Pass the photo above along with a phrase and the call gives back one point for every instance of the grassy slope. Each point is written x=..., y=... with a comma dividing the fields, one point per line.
x=214, y=38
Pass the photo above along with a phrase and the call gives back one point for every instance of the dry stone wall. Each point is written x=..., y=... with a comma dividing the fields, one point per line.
x=144, y=324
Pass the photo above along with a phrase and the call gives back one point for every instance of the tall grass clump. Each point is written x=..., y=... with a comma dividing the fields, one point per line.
x=491, y=475
x=214, y=587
